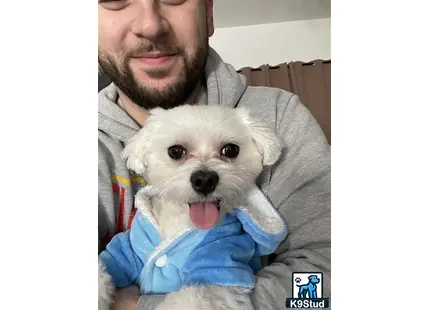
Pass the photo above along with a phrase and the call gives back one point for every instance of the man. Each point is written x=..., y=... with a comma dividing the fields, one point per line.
x=156, y=53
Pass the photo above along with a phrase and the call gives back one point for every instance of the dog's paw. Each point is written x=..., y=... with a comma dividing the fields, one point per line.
x=212, y=297
x=184, y=299
x=106, y=288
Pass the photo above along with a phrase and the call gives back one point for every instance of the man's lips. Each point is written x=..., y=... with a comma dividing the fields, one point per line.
x=155, y=54
x=155, y=58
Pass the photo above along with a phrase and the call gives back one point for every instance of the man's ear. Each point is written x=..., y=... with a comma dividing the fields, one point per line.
x=210, y=17
x=268, y=143
x=135, y=152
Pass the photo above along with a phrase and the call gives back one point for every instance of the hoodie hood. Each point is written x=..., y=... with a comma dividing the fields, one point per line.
x=223, y=86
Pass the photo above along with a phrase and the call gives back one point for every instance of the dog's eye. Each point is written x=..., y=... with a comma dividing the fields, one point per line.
x=230, y=150
x=176, y=152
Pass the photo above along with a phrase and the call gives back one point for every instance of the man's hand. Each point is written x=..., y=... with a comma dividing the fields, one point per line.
x=126, y=298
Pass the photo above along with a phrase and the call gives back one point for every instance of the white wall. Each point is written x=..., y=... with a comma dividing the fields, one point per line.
x=273, y=44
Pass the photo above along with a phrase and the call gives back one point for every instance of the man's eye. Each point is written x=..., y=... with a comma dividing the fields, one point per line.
x=110, y=1
x=113, y=4
x=173, y=2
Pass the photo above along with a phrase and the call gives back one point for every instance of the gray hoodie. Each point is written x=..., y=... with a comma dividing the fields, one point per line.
x=298, y=185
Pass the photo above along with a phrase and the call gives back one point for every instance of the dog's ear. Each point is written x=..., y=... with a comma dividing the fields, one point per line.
x=135, y=152
x=268, y=143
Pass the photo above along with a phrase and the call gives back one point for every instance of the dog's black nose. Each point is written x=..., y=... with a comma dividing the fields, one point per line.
x=204, y=181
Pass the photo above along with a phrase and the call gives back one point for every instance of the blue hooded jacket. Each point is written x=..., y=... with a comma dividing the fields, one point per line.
x=226, y=254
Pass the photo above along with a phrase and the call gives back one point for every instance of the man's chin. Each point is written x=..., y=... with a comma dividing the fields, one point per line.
x=157, y=79
x=157, y=84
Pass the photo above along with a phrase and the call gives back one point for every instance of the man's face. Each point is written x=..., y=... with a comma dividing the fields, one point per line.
x=154, y=50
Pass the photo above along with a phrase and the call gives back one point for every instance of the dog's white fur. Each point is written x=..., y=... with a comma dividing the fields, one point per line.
x=203, y=131
x=106, y=287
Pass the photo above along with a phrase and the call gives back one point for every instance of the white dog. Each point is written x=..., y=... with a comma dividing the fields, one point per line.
x=202, y=224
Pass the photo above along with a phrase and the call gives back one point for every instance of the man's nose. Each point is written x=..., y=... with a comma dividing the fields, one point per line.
x=149, y=23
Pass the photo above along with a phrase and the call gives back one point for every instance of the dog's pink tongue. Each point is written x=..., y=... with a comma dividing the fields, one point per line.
x=204, y=215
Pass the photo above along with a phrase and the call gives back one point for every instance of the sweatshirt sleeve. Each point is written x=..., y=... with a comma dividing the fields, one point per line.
x=121, y=262
x=300, y=189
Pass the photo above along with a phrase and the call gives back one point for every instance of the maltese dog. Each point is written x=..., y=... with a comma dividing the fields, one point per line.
x=202, y=224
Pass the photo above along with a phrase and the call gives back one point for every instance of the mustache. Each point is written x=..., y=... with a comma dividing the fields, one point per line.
x=151, y=48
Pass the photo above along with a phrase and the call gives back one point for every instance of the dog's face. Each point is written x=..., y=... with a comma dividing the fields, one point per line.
x=201, y=155
x=314, y=279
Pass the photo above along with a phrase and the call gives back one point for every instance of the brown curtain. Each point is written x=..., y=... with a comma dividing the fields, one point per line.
x=311, y=81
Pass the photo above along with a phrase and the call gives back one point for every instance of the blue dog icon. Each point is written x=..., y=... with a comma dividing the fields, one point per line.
x=310, y=289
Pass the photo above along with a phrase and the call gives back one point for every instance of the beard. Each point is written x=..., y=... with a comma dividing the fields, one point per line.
x=147, y=97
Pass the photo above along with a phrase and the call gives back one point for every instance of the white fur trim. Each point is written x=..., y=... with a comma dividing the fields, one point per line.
x=262, y=211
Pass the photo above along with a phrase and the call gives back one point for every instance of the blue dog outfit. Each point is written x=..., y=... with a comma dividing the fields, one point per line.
x=227, y=254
